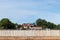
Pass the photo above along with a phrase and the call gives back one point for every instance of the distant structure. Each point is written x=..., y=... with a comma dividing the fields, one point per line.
x=31, y=26
x=36, y=28
x=27, y=26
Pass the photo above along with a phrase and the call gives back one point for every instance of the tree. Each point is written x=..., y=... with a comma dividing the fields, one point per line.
x=57, y=27
x=34, y=24
x=41, y=23
x=44, y=24
x=7, y=24
x=51, y=25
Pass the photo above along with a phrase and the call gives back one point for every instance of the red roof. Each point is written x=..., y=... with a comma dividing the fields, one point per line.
x=27, y=24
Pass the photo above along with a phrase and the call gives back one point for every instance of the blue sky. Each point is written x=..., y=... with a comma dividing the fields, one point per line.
x=27, y=11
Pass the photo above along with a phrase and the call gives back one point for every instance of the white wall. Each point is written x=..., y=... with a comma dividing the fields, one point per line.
x=29, y=32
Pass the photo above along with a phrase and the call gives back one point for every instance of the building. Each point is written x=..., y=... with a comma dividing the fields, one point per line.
x=36, y=28
x=27, y=25
x=31, y=27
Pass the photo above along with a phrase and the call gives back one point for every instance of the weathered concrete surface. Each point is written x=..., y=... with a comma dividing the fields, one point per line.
x=30, y=38
x=29, y=32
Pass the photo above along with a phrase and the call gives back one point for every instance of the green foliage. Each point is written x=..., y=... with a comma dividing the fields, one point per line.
x=6, y=24
x=34, y=24
x=57, y=27
x=41, y=23
x=44, y=24
x=51, y=25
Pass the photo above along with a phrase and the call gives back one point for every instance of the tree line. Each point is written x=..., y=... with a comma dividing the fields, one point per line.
x=5, y=23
